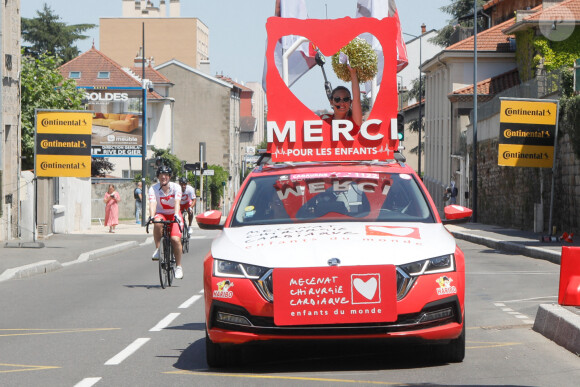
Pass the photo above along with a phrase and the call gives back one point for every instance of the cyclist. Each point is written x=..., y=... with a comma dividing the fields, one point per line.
x=164, y=198
x=187, y=200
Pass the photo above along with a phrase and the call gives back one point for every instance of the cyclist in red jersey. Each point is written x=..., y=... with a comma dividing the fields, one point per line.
x=187, y=200
x=164, y=199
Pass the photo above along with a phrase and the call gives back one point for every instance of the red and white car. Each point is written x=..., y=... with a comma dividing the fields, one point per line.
x=333, y=250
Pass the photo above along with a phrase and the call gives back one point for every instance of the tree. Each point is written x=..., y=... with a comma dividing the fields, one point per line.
x=460, y=10
x=217, y=182
x=48, y=35
x=43, y=87
x=100, y=167
x=168, y=159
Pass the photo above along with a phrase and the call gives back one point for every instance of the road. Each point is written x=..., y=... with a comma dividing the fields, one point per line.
x=107, y=322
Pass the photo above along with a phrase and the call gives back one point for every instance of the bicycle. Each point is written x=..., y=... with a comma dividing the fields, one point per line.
x=184, y=234
x=167, y=259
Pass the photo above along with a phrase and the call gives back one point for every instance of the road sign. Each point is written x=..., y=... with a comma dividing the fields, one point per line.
x=206, y=172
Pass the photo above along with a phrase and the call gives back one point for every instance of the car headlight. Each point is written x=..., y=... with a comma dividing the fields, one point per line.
x=442, y=264
x=223, y=268
x=260, y=276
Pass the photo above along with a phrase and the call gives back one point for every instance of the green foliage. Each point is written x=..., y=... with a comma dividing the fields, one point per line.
x=460, y=11
x=168, y=159
x=217, y=183
x=415, y=92
x=525, y=54
x=570, y=120
x=43, y=87
x=47, y=35
x=557, y=54
x=138, y=178
x=100, y=167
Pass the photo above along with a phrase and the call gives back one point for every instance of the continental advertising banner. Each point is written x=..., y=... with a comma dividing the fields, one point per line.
x=527, y=133
x=63, y=143
x=117, y=129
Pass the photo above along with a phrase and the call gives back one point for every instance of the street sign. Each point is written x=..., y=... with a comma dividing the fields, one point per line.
x=206, y=172
x=527, y=131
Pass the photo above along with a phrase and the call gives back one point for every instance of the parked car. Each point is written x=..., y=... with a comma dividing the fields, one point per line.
x=333, y=250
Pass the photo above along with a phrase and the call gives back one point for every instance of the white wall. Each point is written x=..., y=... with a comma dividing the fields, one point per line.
x=74, y=195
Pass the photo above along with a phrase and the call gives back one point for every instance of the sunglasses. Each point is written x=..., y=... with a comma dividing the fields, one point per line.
x=338, y=99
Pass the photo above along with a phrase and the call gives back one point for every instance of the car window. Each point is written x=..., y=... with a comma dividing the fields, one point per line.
x=336, y=197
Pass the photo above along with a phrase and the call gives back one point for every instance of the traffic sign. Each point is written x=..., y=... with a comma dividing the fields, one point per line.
x=206, y=172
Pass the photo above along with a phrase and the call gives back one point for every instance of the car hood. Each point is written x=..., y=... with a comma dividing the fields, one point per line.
x=312, y=245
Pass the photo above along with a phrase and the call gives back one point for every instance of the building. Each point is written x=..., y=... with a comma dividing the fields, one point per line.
x=115, y=93
x=10, y=137
x=167, y=36
x=206, y=111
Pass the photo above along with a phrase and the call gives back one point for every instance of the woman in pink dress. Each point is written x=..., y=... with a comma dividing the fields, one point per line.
x=111, y=199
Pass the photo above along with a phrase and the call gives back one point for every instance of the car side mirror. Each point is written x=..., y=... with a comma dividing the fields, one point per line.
x=456, y=214
x=210, y=220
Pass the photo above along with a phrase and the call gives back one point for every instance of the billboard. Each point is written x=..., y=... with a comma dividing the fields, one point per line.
x=63, y=143
x=527, y=132
x=117, y=118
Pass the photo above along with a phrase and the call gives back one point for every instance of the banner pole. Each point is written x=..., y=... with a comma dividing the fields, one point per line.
x=554, y=168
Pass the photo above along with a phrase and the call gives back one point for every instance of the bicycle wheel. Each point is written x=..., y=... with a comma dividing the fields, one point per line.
x=162, y=264
x=185, y=242
x=169, y=264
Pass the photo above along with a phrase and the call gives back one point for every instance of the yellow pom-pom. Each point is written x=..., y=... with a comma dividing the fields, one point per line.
x=361, y=56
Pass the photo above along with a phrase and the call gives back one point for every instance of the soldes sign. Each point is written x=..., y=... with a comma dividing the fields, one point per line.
x=295, y=133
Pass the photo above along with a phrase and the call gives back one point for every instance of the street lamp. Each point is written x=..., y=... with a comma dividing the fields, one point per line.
x=420, y=97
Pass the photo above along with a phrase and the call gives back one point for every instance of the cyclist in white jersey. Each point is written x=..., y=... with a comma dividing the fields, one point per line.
x=188, y=199
x=164, y=199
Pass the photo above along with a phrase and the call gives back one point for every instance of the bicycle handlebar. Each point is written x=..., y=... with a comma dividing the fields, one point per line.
x=153, y=220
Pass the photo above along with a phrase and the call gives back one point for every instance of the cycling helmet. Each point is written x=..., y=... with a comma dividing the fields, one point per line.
x=183, y=180
x=163, y=169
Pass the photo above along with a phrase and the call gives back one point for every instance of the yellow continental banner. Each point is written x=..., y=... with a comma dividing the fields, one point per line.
x=64, y=122
x=63, y=166
x=513, y=155
x=528, y=112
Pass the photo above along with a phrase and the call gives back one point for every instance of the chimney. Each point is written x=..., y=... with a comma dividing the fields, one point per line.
x=204, y=66
x=174, y=8
x=423, y=28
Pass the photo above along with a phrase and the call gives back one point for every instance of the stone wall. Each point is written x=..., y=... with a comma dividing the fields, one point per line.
x=506, y=195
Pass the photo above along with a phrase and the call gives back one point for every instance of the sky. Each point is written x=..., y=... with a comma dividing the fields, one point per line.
x=238, y=34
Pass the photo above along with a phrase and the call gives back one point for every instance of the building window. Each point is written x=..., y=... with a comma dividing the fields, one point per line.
x=103, y=75
x=8, y=61
x=74, y=75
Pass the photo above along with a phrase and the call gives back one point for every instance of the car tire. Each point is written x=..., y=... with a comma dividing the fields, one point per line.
x=217, y=355
x=454, y=352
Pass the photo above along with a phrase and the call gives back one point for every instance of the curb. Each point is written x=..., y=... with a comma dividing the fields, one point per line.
x=532, y=252
x=559, y=325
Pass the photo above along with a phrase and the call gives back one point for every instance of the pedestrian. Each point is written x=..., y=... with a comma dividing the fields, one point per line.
x=112, y=198
x=138, y=194
x=453, y=193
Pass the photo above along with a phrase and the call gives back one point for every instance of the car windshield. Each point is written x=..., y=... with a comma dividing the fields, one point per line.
x=334, y=197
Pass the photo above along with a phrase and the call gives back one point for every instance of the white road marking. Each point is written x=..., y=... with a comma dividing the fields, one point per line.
x=507, y=309
x=165, y=322
x=499, y=304
x=87, y=382
x=529, y=299
x=189, y=302
x=132, y=348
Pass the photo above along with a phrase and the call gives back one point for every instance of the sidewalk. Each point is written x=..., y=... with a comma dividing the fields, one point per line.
x=558, y=323
x=66, y=249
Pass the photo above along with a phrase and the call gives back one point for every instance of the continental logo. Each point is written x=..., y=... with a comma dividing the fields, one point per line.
x=46, y=122
x=45, y=166
x=509, y=133
x=507, y=155
x=47, y=144
x=523, y=112
x=528, y=112
x=525, y=156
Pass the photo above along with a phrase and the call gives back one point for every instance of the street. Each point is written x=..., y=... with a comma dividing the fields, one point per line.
x=107, y=322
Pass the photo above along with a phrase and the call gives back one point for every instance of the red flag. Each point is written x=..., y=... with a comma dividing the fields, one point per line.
x=301, y=60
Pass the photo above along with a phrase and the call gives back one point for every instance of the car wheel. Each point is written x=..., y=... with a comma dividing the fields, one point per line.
x=217, y=355
x=454, y=352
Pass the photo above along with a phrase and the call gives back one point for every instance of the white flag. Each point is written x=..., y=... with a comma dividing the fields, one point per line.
x=380, y=9
x=301, y=60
